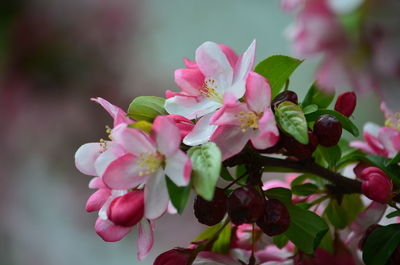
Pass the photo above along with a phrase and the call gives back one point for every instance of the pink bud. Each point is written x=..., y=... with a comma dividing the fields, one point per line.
x=127, y=210
x=346, y=103
x=376, y=185
x=359, y=168
x=175, y=256
x=185, y=125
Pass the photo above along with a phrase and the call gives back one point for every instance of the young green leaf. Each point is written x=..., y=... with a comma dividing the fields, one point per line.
x=225, y=174
x=281, y=194
x=291, y=119
x=346, y=123
x=178, y=195
x=381, y=244
x=393, y=214
x=277, y=69
x=208, y=233
x=223, y=242
x=206, y=166
x=280, y=240
x=310, y=108
x=330, y=154
x=318, y=97
x=336, y=214
x=146, y=108
x=395, y=160
x=305, y=189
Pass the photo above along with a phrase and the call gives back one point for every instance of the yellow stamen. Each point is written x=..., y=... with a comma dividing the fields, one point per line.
x=151, y=162
x=209, y=90
x=393, y=121
x=248, y=120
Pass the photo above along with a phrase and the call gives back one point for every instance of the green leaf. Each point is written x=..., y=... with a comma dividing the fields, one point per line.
x=336, y=214
x=310, y=108
x=381, y=244
x=240, y=170
x=305, y=189
x=346, y=123
x=141, y=125
x=146, y=108
x=330, y=154
x=306, y=229
x=318, y=97
x=179, y=195
x=206, y=166
x=281, y=194
x=353, y=206
x=223, y=242
x=393, y=214
x=395, y=160
x=208, y=233
x=291, y=119
x=280, y=240
x=225, y=174
x=327, y=243
x=277, y=69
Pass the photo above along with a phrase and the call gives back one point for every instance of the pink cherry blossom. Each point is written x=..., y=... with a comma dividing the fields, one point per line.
x=204, y=83
x=239, y=122
x=148, y=159
x=382, y=141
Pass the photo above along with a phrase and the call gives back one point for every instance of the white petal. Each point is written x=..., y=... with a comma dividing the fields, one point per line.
x=86, y=156
x=201, y=132
x=145, y=238
x=178, y=168
x=190, y=107
x=134, y=141
x=245, y=63
x=156, y=196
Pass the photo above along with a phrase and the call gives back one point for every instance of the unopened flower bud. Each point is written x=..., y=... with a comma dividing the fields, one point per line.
x=346, y=103
x=359, y=168
x=185, y=125
x=175, y=256
x=376, y=185
x=127, y=210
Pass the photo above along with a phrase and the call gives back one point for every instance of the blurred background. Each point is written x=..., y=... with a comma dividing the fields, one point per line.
x=54, y=56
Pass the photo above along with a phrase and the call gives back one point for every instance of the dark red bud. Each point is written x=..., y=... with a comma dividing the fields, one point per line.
x=346, y=103
x=359, y=168
x=127, y=210
x=376, y=185
x=175, y=256
x=328, y=130
x=211, y=212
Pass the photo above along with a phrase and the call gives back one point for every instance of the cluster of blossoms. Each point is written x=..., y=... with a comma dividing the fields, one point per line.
x=231, y=122
x=358, y=40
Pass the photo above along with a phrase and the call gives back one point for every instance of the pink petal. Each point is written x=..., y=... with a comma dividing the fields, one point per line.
x=112, y=152
x=230, y=140
x=245, y=63
x=390, y=139
x=185, y=125
x=190, y=107
x=275, y=184
x=97, y=199
x=189, y=64
x=125, y=173
x=201, y=132
x=229, y=53
x=128, y=209
x=258, y=92
x=214, y=64
x=190, y=81
x=145, y=238
x=267, y=134
x=369, y=216
x=116, y=113
x=178, y=168
x=110, y=232
x=97, y=183
x=362, y=146
x=229, y=114
x=156, y=196
x=86, y=156
x=167, y=135
x=134, y=141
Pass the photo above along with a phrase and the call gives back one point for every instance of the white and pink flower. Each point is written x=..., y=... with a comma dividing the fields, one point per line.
x=204, y=84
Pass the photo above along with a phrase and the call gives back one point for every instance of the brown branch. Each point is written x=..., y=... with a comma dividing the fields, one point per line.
x=340, y=183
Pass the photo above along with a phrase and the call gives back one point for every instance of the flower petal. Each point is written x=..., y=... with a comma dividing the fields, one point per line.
x=112, y=152
x=116, y=113
x=245, y=63
x=230, y=139
x=229, y=53
x=189, y=80
x=178, y=168
x=134, y=141
x=267, y=134
x=86, y=156
x=97, y=199
x=190, y=107
x=369, y=216
x=214, y=64
x=125, y=173
x=390, y=139
x=97, y=183
x=145, y=238
x=258, y=92
x=211, y=258
x=110, y=232
x=167, y=135
x=201, y=132
x=156, y=197
x=228, y=114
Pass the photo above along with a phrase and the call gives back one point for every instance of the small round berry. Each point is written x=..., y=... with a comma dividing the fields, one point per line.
x=286, y=95
x=328, y=130
x=276, y=218
x=211, y=212
x=245, y=205
x=297, y=149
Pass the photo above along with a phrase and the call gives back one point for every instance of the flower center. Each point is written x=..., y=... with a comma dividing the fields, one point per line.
x=150, y=162
x=104, y=143
x=393, y=121
x=248, y=120
x=209, y=90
